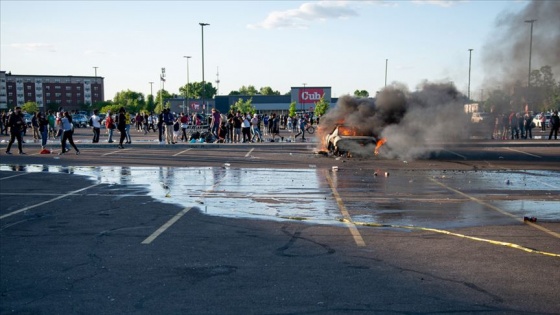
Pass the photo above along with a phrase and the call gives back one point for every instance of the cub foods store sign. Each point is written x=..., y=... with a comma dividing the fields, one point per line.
x=310, y=95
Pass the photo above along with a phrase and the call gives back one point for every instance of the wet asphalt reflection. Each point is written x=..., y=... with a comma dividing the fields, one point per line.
x=433, y=199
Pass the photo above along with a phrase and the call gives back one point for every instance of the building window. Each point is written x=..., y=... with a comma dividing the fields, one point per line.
x=48, y=94
x=29, y=87
x=95, y=88
x=68, y=95
x=78, y=88
x=48, y=87
x=57, y=87
x=29, y=94
x=79, y=94
x=68, y=88
x=57, y=94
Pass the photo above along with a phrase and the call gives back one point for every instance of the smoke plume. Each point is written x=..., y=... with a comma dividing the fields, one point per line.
x=506, y=53
x=413, y=123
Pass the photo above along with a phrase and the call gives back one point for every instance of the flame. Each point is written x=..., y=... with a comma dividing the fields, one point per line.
x=379, y=144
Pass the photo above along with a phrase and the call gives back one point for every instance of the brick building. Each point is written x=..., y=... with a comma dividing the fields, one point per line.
x=70, y=92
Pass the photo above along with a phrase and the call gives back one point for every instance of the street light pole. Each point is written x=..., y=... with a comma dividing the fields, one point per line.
x=386, y=63
x=95, y=71
x=187, y=96
x=202, y=25
x=530, y=51
x=469, y=89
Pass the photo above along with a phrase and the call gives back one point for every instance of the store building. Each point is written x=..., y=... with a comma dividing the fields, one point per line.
x=69, y=92
x=304, y=97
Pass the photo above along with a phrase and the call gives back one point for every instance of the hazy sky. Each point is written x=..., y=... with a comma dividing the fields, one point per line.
x=341, y=44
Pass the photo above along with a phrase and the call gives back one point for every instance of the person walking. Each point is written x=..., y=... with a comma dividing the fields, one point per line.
x=554, y=125
x=95, y=122
x=121, y=126
x=302, y=125
x=16, y=123
x=67, y=133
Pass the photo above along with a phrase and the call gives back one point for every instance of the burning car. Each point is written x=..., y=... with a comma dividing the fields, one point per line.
x=346, y=139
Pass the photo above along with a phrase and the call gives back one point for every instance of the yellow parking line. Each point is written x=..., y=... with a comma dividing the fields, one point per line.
x=347, y=219
x=557, y=235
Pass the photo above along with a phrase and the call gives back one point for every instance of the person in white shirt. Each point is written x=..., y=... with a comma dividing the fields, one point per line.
x=95, y=122
x=67, y=133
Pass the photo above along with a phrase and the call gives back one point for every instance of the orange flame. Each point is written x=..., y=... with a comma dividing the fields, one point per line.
x=379, y=144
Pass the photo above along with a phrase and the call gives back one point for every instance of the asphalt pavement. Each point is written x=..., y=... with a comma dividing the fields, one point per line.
x=279, y=228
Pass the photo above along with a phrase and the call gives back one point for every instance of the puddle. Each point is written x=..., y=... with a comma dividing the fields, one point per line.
x=403, y=198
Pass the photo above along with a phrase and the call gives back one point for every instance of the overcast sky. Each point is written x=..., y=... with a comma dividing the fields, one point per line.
x=281, y=44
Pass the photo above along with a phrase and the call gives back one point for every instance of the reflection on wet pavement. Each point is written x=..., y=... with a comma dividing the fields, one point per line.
x=401, y=198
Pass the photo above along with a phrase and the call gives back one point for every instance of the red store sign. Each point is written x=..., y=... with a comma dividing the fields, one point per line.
x=310, y=96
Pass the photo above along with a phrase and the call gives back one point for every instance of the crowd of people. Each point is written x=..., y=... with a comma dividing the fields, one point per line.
x=520, y=125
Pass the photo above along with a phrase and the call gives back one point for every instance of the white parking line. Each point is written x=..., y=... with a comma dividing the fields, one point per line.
x=164, y=227
x=45, y=202
x=182, y=152
x=249, y=153
x=537, y=156
x=114, y=152
x=17, y=175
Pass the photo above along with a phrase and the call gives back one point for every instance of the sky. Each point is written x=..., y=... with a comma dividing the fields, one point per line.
x=345, y=45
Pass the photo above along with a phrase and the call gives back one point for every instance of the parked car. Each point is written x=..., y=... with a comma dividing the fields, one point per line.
x=80, y=120
x=478, y=117
x=27, y=117
x=344, y=139
x=537, y=119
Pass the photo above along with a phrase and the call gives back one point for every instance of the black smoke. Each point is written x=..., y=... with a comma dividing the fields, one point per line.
x=413, y=123
x=506, y=53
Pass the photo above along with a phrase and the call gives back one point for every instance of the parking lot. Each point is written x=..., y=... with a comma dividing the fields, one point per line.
x=274, y=228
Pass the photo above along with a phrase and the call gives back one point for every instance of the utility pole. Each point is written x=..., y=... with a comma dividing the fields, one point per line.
x=469, y=89
x=386, y=63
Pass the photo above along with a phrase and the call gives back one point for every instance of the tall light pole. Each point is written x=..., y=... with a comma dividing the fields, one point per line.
x=469, y=89
x=202, y=25
x=162, y=80
x=187, y=96
x=386, y=63
x=530, y=51
x=95, y=71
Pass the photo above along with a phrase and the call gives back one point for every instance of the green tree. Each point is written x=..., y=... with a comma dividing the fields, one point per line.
x=293, y=109
x=195, y=90
x=30, y=107
x=267, y=90
x=150, y=104
x=245, y=90
x=114, y=108
x=321, y=107
x=498, y=101
x=244, y=106
x=132, y=101
x=361, y=93
x=161, y=97
x=543, y=92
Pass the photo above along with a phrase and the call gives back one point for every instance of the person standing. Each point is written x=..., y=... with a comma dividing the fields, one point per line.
x=95, y=122
x=67, y=133
x=110, y=125
x=184, y=125
x=554, y=125
x=246, y=129
x=255, y=129
x=121, y=126
x=160, y=126
x=127, y=127
x=215, y=123
x=35, y=127
x=528, y=126
x=275, y=128
x=52, y=125
x=168, y=121
x=43, y=129
x=16, y=122
x=543, y=121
